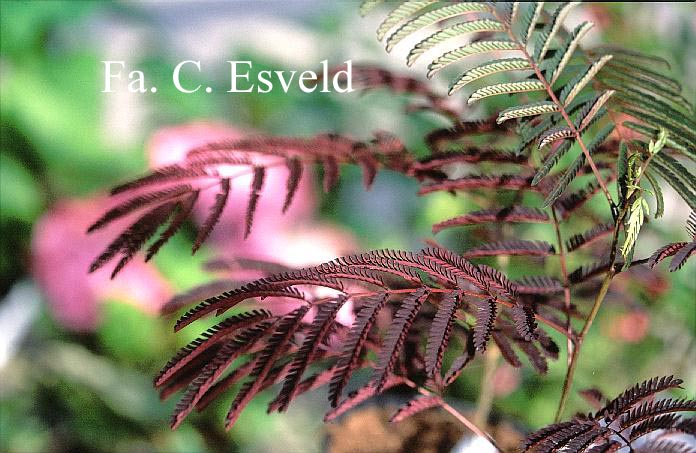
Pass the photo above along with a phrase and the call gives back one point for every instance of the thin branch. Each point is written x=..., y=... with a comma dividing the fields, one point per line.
x=570, y=373
x=454, y=412
x=566, y=284
x=568, y=381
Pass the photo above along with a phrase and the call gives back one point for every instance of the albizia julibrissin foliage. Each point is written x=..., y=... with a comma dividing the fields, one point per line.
x=420, y=317
x=633, y=420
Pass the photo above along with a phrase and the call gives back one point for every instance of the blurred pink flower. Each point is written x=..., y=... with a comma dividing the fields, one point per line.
x=62, y=253
x=631, y=327
x=292, y=239
x=171, y=144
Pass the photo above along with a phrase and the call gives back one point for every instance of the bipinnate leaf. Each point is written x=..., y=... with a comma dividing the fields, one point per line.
x=396, y=335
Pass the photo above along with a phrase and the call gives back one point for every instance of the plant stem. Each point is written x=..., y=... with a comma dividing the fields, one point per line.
x=566, y=285
x=466, y=422
x=573, y=356
x=568, y=382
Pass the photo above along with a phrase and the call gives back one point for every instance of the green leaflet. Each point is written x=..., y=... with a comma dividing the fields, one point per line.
x=550, y=161
x=515, y=11
x=556, y=133
x=664, y=112
x=677, y=168
x=546, y=37
x=581, y=80
x=581, y=101
x=633, y=67
x=486, y=69
x=565, y=180
x=538, y=108
x=572, y=171
x=656, y=146
x=452, y=31
x=399, y=14
x=637, y=213
x=632, y=56
x=565, y=52
x=600, y=114
x=601, y=136
x=659, y=199
x=539, y=41
x=504, y=10
x=470, y=49
x=505, y=88
x=672, y=179
x=622, y=174
x=529, y=20
x=633, y=83
x=661, y=108
x=368, y=5
x=529, y=134
x=675, y=133
x=431, y=18
x=639, y=206
x=650, y=132
x=594, y=109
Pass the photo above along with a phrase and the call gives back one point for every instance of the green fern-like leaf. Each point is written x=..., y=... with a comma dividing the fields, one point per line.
x=639, y=209
x=470, y=49
x=431, y=18
x=530, y=134
x=554, y=134
x=399, y=14
x=631, y=56
x=677, y=168
x=622, y=174
x=550, y=161
x=683, y=190
x=669, y=116
x=572, y=171
x=565, y=180
x=646, y=72
x=552, y=29
x=451, y=31
x=671, y=142
x=635, y=84
x=505, y=88
x=581, y=80
x=515, y=11
x=565, y=52
x=486, y=69
x=657, y=192
x=594, y=109
x=675, y=132
x=538, y=108
x=530, y=19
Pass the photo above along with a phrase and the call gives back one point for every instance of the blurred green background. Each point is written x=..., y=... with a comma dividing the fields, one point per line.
x=89, y=389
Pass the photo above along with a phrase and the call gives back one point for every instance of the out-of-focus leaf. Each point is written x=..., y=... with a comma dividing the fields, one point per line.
x=24, y=25
x=125, y=391
x=20, y=195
